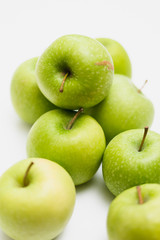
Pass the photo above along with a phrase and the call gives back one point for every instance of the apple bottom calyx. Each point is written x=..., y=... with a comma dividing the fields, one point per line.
x=25, y=182
x=70, y=124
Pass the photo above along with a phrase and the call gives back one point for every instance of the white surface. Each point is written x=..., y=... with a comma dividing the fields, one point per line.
x=27, y=28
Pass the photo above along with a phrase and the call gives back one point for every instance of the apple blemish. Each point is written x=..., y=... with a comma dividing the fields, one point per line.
x=105, y=63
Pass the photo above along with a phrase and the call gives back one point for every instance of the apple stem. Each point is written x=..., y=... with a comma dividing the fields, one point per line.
x=70, y=124
x=140, y=90
x=26, y=174
x=140, y=195
x=105, y=63
x=143, y=139
x=62, y=85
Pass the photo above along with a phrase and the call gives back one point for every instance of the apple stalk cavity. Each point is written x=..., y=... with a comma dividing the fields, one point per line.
x=78, y=65
x=62, y=85
x=25, y=182
x=128, y=220
x=74, y=118
x=139, y=195
x=124, y=166
x=143, y=139
x=41, y=210
x=76, y=150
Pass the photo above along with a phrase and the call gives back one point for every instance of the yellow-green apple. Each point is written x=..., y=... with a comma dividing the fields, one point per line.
x=121, y=61
x=37, y=198
x=125, y=108
x=135, y=214
x=27, y=99
x=76, y=144
x=75, y=71
x=132, y=158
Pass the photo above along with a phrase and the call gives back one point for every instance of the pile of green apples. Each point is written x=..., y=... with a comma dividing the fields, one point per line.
x=85, y=110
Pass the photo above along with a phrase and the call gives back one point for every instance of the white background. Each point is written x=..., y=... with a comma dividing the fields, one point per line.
x=27, y=28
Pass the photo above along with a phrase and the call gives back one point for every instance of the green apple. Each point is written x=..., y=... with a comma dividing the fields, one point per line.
x=27, y=99
x=130, y=219
x=130, y=161
x=121, y=61
x=125, y=108
x=78, y=147
x=36, y=201
x=75, y=71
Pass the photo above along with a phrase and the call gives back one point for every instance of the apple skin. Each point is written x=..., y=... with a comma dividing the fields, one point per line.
x=124, y=166
x=121, y=61
x=124, y=108
x=87, y=83
x=79, y=150
x=129, y=220
x=42, y=209
x=27, y=99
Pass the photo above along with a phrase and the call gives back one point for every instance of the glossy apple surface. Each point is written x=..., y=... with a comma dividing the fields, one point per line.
x=79, y=150
x=125, y=108
x=27, y=99
x=41, y=209
x=129, y=220
x=87, y=83
x=124, y=166
x=121, y=60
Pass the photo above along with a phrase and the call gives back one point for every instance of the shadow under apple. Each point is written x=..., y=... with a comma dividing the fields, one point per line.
x=3, y=236
x=98, y=184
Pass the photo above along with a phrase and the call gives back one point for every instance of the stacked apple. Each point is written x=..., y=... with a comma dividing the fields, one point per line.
x=79, y=96
x=37, y=198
